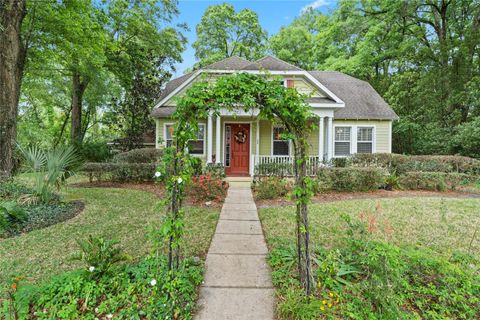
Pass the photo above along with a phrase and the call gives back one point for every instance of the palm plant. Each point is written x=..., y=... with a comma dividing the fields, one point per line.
x=50, y=168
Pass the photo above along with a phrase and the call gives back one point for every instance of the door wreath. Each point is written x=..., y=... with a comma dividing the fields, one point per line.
x=241, y=136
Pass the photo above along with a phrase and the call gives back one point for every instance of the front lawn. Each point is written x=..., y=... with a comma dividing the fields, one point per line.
x=120, y=214
x=381, y=259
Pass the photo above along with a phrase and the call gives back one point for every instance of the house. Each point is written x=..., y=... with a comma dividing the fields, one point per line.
x=352, y=118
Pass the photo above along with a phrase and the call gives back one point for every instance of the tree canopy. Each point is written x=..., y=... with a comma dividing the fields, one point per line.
x=223, y=33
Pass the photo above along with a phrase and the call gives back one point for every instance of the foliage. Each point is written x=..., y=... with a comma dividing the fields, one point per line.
x=99, y=255
x=129, y=292
x=223, y=33
x=51, y=168
x=349, y=179
x=215, y=170
x=119, y=172
x=12, y=216
x=421, y=56
x=435, y=181
x=142, y=155
x=207, y=187
x=12, y=190
x=94, y=151
x=271, y=187
x=372, y=279
x=197, y=167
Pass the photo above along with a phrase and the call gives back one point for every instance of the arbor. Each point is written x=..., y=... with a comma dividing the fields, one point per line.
x=223, y=33
x=13, y=51
x=250, y=92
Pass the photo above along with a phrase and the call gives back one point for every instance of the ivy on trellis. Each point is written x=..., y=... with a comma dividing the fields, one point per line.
x=249, y=92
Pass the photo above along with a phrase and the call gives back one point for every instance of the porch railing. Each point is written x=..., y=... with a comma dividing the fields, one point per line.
x=282, y=165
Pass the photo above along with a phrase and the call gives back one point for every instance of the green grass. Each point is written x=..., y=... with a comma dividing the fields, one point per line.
x=443, y=225
x=120, y=214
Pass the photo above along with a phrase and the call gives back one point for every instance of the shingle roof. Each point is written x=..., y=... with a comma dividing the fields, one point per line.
x=361, y=99
x=272, y=64
x=230, y=63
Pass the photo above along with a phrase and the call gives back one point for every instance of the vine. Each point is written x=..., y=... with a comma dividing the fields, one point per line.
x=248, y=92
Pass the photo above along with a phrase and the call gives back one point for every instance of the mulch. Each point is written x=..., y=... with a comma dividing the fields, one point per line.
x=151, y=187
x=379, y=194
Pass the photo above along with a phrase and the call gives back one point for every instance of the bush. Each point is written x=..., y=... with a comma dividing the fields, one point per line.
x=131, y=291
x=94, y=151
x=271, y=187
x=215, y=170
x=349, y=179
x=120, y=172
x=11, y=190
x=400, y=164
x=143, y=155
x=12, y=217
x=206, y=187
x=197, y=166
x=434, y=181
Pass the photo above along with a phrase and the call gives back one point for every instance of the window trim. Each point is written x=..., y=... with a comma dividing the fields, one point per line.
x=272, y=140
x=373, y=136
x=200, y=155
x=334, y=140
x=353, y=138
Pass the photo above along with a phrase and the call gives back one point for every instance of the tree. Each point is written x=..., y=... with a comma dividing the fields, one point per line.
x=223, y=33
x=12, y=61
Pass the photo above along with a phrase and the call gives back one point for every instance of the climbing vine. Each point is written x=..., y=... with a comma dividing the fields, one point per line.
x=251, y=93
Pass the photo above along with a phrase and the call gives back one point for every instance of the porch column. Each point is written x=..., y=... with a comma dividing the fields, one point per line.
x=330, y=138
x=209, y=138
x=217, y=141
x=321, y=138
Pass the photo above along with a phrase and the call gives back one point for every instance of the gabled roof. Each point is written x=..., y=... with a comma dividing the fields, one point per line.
x=230, y=63
x=271, y=64
x=361, y=99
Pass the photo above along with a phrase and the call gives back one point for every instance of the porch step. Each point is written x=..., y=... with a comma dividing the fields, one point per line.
x=245, y=182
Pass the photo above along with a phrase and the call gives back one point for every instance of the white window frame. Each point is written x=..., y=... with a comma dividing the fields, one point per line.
x=271, y=144
x=334, y=140
x=373, y=136
x=200, y=155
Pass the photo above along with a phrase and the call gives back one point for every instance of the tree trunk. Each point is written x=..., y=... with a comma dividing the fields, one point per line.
x=78, y=89
x=12, y=62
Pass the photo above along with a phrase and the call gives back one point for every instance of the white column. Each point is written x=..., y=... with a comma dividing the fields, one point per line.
x=257, y=140
x=330, y=138
x=217, y=141
x=210, y=138
x=321, y=138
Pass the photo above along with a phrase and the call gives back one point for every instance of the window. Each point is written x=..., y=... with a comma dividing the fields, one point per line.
x=195, y=146
x=281, y=147
x=228, y=135
x=364, y=140
x=342, y=141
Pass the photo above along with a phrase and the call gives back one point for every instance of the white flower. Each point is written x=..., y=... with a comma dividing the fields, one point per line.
x=96, y=310
x=180, y=180
x=158, y=174
x=153, y=282
x=109, y=316
x=91, y=269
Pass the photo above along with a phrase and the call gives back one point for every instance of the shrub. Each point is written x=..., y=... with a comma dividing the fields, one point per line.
x=435, y=181
x=11, y=190
x=99, y=255
x=94, y=151
x=350, y=179
x=143, y=155
x=206, y=187
x=120, y=172
x=271, y=187
x=197, y=166
x=215, y=170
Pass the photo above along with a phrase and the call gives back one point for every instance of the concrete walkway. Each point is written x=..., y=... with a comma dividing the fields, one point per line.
x=237, y=282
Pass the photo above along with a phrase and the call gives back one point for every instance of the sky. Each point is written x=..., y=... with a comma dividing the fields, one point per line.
x=272, y=15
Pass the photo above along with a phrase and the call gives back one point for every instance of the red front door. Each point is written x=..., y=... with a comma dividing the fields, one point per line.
x=237, y=143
